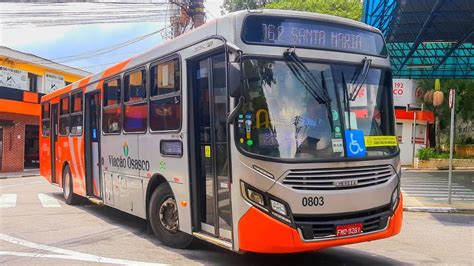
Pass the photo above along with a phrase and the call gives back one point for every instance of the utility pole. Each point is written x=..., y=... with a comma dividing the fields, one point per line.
x=187, y=12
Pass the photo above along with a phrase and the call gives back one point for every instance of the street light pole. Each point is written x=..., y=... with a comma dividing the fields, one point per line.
x=452, y=103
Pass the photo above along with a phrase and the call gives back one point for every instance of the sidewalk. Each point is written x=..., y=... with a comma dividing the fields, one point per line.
x=25, y=173
x=428, y=190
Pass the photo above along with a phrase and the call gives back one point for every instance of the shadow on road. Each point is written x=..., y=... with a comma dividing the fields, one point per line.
x=207, y=253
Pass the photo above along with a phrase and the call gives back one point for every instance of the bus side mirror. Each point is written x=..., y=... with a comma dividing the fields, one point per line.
x=235, y=80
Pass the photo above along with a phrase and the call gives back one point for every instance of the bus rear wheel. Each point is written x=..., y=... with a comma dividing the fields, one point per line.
x=68, y=192
x=163, y=216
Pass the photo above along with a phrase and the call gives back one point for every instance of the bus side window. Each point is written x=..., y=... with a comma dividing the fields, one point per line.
x=112, y=122
x=76, y=114
x=46, y=126
x=64, y=118
x=165, y=96
x=135, y=105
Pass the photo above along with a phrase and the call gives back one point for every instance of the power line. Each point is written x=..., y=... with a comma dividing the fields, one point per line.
x=97, y=52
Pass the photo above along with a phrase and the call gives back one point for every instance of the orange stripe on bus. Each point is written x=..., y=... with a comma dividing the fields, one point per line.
x=258, y=232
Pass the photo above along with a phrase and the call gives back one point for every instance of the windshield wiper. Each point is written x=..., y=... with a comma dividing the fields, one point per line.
x=359, y=78
x=307, y=78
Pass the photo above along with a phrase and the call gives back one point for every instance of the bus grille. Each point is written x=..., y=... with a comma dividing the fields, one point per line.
x=338, y=178
x=320, y=226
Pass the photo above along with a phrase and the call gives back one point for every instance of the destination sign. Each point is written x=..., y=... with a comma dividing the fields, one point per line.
x=312, y=34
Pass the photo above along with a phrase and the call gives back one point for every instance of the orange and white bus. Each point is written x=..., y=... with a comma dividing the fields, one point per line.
x=266, y=131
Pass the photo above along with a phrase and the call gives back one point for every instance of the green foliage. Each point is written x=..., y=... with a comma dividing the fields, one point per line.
x=236, y=5
x=464, y=99
x=351, y=9
x=465, y=141
x=427, y=153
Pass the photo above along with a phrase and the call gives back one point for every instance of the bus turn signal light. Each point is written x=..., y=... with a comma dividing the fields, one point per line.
x=184, y=203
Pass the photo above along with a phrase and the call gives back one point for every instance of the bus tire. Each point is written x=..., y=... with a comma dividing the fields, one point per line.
x=68, y=192
x=163, y=217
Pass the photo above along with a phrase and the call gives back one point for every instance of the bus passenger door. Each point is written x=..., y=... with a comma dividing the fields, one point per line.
x=92, y=144
x=54, y=142
x=209, y=154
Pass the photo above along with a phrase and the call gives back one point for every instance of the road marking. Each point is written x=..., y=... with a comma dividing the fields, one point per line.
x=47, y=201
x=21, y=184
x=8, y=200
x=64, y=253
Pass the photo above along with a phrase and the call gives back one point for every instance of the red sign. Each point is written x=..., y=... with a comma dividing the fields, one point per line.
x=348, y=229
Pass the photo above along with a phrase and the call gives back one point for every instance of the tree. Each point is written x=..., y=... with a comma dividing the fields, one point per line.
x=351, y=9
x=236, y=5
x=464, y=99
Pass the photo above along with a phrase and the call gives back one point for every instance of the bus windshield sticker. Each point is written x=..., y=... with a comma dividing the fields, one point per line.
x=355, y=146
x=380, y=141
x=337, y=145
x=207, y=151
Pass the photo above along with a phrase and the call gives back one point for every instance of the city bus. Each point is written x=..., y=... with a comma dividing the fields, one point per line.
x=263, y=131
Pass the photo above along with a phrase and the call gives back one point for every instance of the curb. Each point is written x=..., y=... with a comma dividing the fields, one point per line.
x=18, y=176
x=438, y=209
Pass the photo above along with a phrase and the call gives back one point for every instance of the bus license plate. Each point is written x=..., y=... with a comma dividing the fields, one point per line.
x=348, y=229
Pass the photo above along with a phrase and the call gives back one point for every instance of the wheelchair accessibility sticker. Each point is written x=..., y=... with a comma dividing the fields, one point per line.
x=355, y=145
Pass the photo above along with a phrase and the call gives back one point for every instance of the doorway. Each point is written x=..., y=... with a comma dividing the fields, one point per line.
x=92, y=145
x=31, y=146
x=54, y=141
x=210, y=150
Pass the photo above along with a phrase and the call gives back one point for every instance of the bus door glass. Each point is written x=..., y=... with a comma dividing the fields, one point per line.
x=92, y=144
x=54, y=141
x=210, y=109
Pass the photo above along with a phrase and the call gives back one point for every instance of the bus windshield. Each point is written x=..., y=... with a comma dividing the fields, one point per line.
x=283, y=119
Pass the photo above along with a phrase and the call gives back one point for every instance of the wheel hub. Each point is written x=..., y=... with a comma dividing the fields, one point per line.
x=169, y=215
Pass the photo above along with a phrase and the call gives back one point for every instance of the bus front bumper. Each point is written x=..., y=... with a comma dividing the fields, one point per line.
x=259, y=232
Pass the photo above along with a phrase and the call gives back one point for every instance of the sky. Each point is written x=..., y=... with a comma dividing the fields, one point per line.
x=59, y=41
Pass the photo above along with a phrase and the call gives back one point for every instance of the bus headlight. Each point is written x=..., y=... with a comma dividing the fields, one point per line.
x=267, y=203
x=395, y=198
x=278, y=207
x=255, y=197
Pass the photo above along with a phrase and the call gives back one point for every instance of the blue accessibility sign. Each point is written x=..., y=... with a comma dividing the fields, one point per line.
x=355, y=146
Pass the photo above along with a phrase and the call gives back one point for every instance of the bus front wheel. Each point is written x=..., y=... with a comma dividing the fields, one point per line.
x=68, y=192
x=163, y=215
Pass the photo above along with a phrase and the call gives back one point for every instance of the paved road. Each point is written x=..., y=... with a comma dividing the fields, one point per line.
x=434, y=185
x=36, y=227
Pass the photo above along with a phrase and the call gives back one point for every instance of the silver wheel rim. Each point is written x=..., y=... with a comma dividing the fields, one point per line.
x=67, y=187
x=169, y=215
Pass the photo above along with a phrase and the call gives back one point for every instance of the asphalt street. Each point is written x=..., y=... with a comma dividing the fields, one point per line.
x=37, y=227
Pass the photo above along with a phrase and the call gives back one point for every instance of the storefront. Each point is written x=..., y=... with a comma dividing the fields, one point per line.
x=24, y=78
x=404, y=94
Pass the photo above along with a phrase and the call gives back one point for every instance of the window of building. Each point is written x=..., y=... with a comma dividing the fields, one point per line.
x=64, y=118
x=111, y=121
x=76, y=114
x=45, y=120
x=33, y=82
x=135, y=105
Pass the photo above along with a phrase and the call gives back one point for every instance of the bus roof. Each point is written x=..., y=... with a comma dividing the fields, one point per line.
x=208, y=29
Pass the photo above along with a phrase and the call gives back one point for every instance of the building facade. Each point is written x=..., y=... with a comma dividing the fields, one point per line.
x=24, y=78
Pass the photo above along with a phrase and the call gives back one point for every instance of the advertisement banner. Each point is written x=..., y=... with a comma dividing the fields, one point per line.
x=13, y=78
x=53, y=82
x=403, y=92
